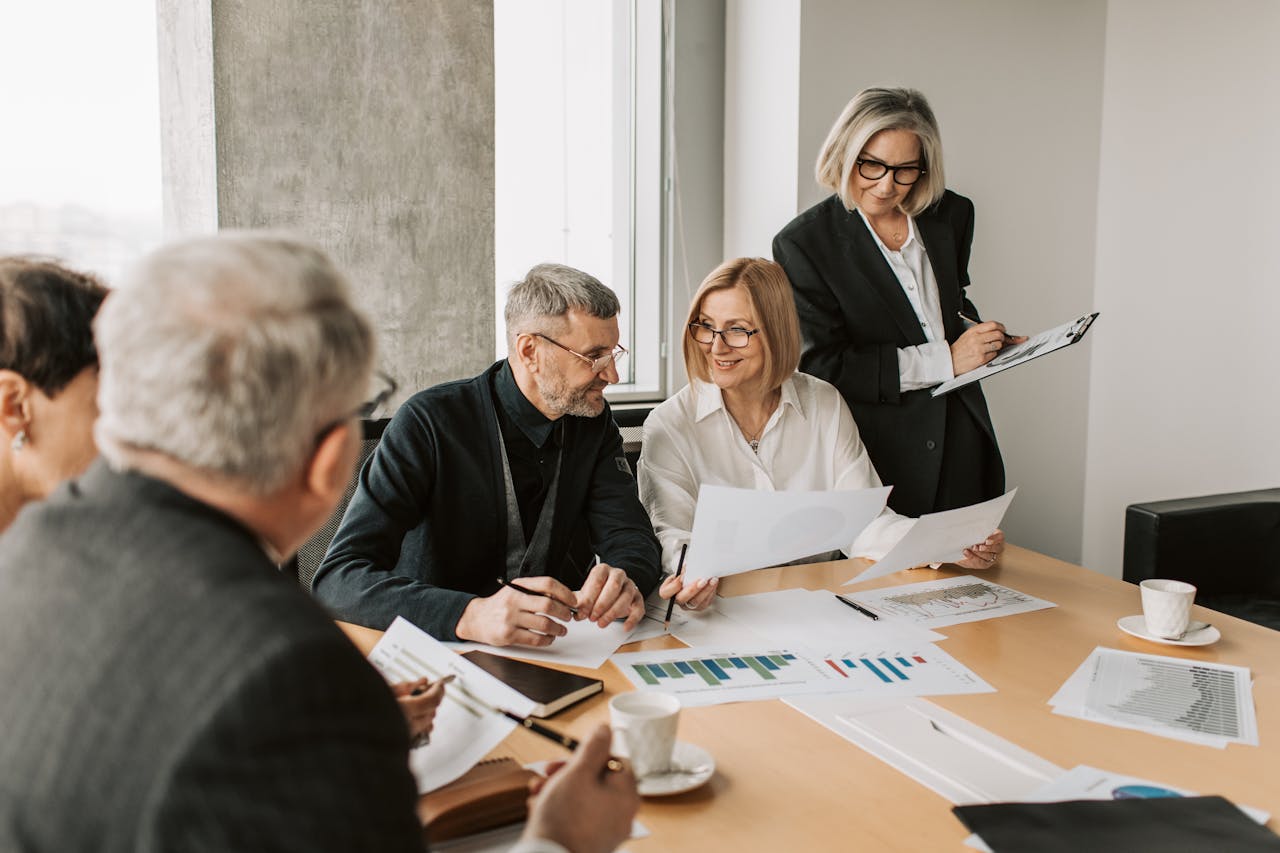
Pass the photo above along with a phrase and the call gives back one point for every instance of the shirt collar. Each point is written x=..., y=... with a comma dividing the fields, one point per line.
x=911, y=244
x=710, y=399
x=535, y=425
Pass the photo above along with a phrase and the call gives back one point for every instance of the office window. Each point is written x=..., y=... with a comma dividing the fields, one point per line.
x=577, y=150
x=80, y=151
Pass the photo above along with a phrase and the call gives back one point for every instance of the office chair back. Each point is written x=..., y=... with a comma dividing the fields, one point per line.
x=1227, y=545
x=630, y=421
x=303, y=565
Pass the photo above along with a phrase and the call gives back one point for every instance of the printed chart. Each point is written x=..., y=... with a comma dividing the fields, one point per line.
x=705, y=676
x=936, y=604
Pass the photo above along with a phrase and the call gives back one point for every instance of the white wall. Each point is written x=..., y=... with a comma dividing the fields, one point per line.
x=1016, y=87
x=761, y=99
x=1183, y=388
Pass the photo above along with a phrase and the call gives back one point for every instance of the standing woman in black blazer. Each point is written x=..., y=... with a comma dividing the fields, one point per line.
x=879, y=272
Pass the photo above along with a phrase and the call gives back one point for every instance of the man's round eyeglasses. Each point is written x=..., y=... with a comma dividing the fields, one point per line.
x=597, y=364
x=735, y=337
x=874, y=170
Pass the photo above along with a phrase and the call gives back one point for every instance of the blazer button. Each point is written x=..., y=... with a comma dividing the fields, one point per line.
x=931, y=444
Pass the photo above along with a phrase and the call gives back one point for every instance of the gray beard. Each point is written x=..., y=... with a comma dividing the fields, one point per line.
x=570, y=401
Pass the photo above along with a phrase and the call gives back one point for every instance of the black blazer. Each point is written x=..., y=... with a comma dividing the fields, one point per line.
x=854, y=317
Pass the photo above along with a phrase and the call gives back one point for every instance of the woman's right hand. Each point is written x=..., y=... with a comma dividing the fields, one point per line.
x=979, y=344
x=697, y=596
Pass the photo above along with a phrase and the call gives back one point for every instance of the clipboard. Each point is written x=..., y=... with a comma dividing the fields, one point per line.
x=1050, y=340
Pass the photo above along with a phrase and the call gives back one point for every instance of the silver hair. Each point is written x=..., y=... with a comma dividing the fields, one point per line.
x=548, y=292
x=229, y=354
x=869, y=112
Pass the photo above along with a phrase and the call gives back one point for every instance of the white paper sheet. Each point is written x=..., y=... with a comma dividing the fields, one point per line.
x=716, y=675
x=655, y=613
x=737, y=530
x=585, y=644
x=940, y=537
x=1189, y=700
x=1012, y=356
x=816, y=622
x=950, y=601
x=464, y=731
x=946, y=753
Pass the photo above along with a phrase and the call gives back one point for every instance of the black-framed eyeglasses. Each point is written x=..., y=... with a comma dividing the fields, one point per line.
x=735, y=337
x=386, y=387
x=597, y=364
x=874, y=170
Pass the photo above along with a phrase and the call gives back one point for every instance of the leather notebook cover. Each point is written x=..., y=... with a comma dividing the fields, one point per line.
x=494, y=793
x=552, y=689
x=1162, y=825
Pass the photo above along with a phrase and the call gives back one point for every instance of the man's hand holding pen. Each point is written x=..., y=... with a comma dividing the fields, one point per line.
x=530, y=613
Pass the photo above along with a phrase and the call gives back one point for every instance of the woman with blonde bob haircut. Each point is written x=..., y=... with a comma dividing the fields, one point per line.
x=879, y=272
x=747, y=419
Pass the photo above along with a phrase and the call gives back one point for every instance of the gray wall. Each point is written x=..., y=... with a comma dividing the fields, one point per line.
x=367, y=127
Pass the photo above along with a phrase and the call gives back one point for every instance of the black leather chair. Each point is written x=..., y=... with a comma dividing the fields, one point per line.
x=1227, y=545
x=302, y=566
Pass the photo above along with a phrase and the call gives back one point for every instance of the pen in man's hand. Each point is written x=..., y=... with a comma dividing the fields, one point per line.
x=671, y=605
x=858, y=607
x=569, y=742
x=527, y=591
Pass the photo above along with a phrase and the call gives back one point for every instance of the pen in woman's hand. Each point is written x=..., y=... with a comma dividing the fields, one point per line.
x=1008, y=338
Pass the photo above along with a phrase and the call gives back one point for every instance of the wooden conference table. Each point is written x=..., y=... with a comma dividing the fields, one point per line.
x=785, y=782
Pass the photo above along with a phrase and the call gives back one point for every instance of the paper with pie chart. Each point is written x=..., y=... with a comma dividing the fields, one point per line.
x=737, y=530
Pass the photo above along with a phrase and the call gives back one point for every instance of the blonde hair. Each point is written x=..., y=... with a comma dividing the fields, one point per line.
x=769, y=292
x=869, y=112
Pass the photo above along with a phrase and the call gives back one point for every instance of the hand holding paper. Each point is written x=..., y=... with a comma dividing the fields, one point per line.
x=941, y=537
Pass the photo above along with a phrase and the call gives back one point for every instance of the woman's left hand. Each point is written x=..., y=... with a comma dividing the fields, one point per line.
x=985, y=554
x=419, y=701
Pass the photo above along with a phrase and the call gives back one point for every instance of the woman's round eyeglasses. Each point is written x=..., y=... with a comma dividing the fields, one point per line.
x=735, y=337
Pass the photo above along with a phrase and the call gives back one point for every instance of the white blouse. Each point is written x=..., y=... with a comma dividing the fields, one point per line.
x=809, y=443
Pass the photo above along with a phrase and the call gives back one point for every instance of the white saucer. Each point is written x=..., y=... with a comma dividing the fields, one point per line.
x=678, y=780
x=1203, y=635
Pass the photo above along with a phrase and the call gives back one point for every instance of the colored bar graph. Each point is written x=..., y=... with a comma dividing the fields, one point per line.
x=918, y=658
x=889, y=666
x=738, y=663
x=869, y=665
x=701, y=669
x=767, y=662
x=715, y=669
x=684, y=667
x=671, y=669
x=761, y=669
x=904, y=662
x=656, y=671
x=643, y=670
x=837, y=668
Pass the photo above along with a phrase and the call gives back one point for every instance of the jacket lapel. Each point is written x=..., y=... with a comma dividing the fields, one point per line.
x=940, y=245
x=864, y=260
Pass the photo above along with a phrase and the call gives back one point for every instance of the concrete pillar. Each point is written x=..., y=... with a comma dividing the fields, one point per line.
x=365, y=126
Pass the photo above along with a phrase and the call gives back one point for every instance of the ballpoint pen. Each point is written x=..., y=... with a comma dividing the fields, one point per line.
x=567, y=741
x=972, y=322
x=527, y=591
x=858, y=607
x=671, y=605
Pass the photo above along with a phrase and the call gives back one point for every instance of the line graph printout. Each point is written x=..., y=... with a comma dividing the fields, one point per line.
x=1196, y=701
x=950, y=601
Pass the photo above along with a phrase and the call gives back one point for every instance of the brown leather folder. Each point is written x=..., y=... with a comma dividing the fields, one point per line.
x=494, y=793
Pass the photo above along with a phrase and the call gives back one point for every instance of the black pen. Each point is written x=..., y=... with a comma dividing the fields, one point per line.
x=518, y=588
x=671, y=605
x=423, y=688
x=858, y=607
x=567, y=741
x=972, y=322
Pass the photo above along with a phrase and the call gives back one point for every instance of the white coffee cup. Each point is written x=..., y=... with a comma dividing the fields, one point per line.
x=644, y=729
x=1166, y=607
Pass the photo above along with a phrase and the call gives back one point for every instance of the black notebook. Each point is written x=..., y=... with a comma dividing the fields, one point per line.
x=552, y=689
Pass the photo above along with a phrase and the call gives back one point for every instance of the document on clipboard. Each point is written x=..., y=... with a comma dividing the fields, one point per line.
x=1041, y=344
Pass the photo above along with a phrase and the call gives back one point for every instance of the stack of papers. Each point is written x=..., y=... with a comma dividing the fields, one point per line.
x=1193, y=701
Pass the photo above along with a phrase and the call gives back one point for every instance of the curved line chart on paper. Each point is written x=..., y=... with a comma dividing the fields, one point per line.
x=935, y=604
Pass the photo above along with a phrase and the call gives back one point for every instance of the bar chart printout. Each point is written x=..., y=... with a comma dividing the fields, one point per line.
x=951, y=601
x=703, y=677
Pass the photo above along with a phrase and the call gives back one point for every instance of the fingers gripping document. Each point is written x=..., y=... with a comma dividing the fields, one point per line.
x=940, y=537
x=737, y=530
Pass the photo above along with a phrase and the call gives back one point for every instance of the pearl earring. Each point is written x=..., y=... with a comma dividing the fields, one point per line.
x=19, y=441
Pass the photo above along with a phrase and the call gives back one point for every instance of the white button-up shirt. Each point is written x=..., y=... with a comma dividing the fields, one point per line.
x=810, y=443
x=928, y=364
